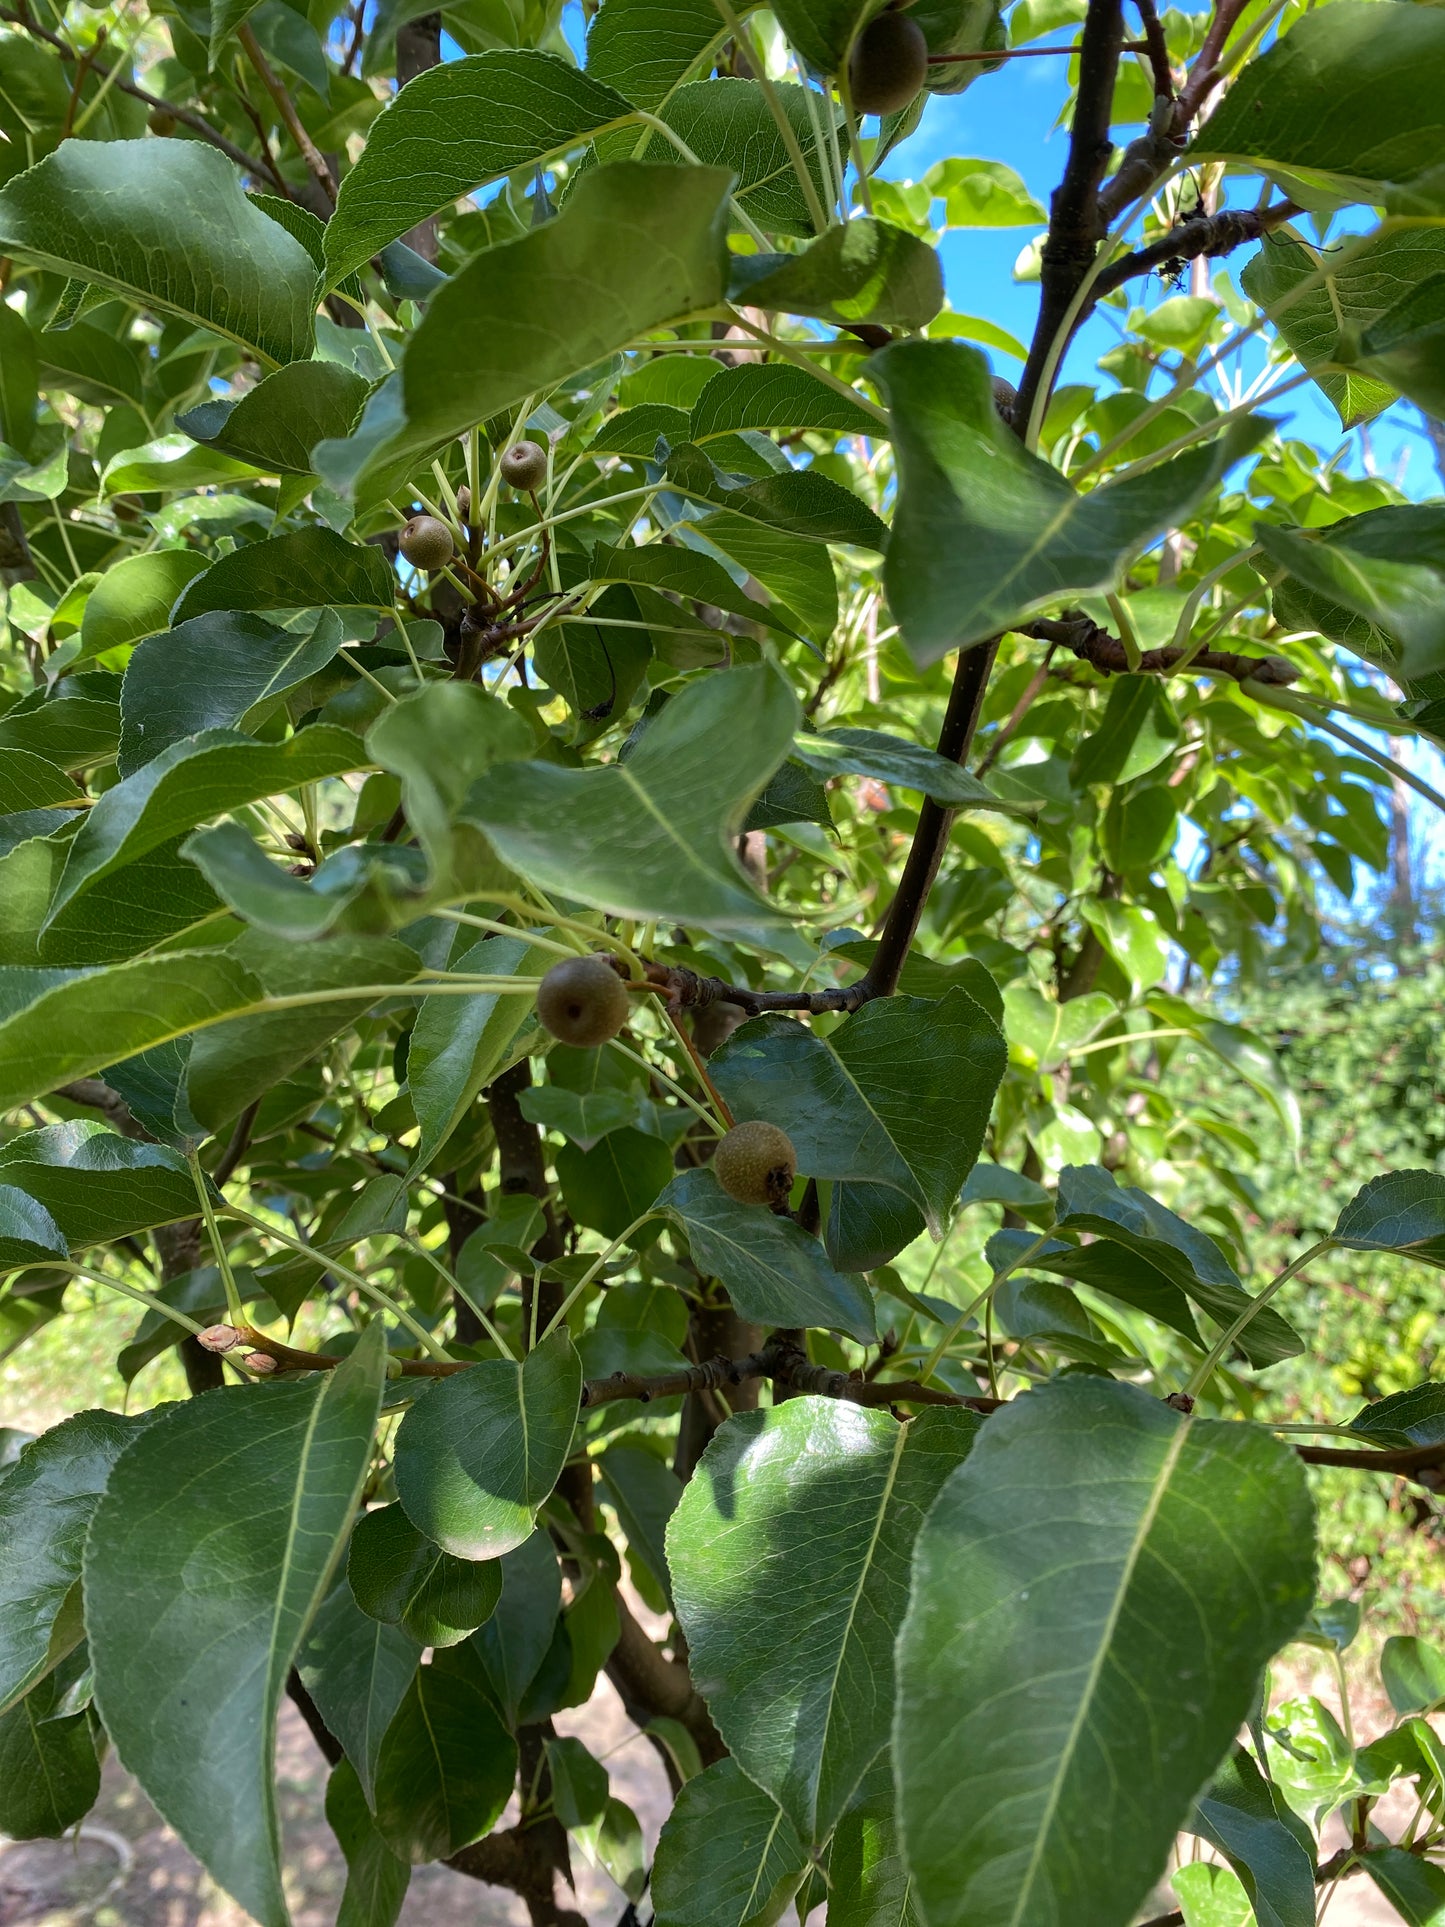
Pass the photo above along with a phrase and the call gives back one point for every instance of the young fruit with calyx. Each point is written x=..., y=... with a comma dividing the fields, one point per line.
x=582, y=1001
x=524, y=466
x=427, y=543
x=756, y=1163
x=888, y=64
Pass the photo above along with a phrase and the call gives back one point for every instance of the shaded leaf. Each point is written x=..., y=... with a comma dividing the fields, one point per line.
x=275, y=425
x=49, y=1771
x=514, y=1642
x=304, y=570
x=358, y=1671
x=1403, y=1211
x=728, y=1856
x=376, y=1878
x=458, y=1044
x=96, y=1185
x=447, y=1763
x=864, y=270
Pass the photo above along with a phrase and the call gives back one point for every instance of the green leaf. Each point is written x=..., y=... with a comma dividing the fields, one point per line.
x=819, y=1502
x=774, y=1272
x=1238, y=1816
x=1093, y=1548
x=275, y=425
x=984, y=194
x=47, y=1499
x=1412, y=1417
x=796, y=572
x=1413, y=1674
x=96, y=1185
x=822, y=30
x=60, y=1024
x=195, y=778
x=728, y=122
x=171, y=463
x=1211, y=1896
x=1415, y=1888
x=19, y=382
x=868, y=1884
x=27, y=1231
x=451, y=130
x=478, y=1455
x=1397, y=599
x=31, y=782
x=684, y=572
x=235, y=1063
x=636, y=245
x=376, y=1878
x=403, y=1579
x=1403, y=1211
x=1349, y=102
x=165, y=224
x=798, y=500
x=650, y=837
x=1324, y=325
x=1404, y=347
x=890, y=759
x=1140, y=828
x=77, y=723
x=459, y=1043
x=775, y=396
x=133, y=599
x=1091, y=1200
x=358, y=1671
x=1246, y=1054
x=645, y=47
x=899, y=1095
x=985, y=533
x=49, y=1770
x=728, y=1856
x=611, y=1185
x=514, y=1642
x=1360, y=601
x=447, y=1763
x=198, y=1590
x=1137, y=731
x=644, y=1494
x=304, y=570
x=209, y=672
x=864, y=270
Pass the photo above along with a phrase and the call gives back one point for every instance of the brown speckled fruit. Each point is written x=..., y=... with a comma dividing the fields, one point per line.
x=888, y=64
x=1004, y=397
x=756, y=1163
x=427, y=543
x=582, y=1001
x=464, y=505
x=524, y=466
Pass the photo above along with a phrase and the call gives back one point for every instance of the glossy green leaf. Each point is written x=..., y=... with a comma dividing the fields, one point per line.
x=1361, y=600
x=819, y=1502
x=1091, y=1200
x=650, y=837
x=74, y=724
x=47, y=1499
x=196, y=1604
x=31, y=782
x=645, y=47
x=195, y=778
x=891, y=759
x=797, y=573
x=27, y=1231
x=644, y=1493
x=513, y=1643
x=1415, y=1888
x=477, y=1456
x=799, y=501
x=900, y=1094
x=376, y=1878
x=209, y=672
x=95, y=1185
x=1412, y=1417
x=774, y=1272
x=304, y=570
x=1397, y=599
x=358, y=1671
x=1412, y=1672
x=727, y=122
x=865, y=270
x=275, y=425
x=1406, y=346
x=19, y=382
x=728, y=1856
x=401, y=1578
x=1136, y=732
x=637, y=244
x=822, y=30
x=451, y=130
x=868, y=1884
x=447, y=1763
x=986, y=533
x=134, y=598
x=314, y=990
x=1351, y=101
x=459, y=1043
x=1238, y=1816
x=776, y=396
x=165, y=224
x=1403, y=1211
x=171, y=463
x=687, y=573
x=613, y=1183
x=1092, y=1548
x=60, y=1024
x=49, y=1768
x=1322, y=324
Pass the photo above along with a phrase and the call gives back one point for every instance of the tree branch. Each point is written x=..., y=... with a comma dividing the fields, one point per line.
x=1209, y=234
x=1075, y=227
x=785, y=1364
x=286, y=108
x=1083, y=637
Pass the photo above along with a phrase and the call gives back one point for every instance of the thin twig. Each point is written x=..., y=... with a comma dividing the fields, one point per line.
x=1083, y=637
x=1210, y=235
x=286, y=108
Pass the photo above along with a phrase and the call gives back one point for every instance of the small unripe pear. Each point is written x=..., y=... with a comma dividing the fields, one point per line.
x=524, y=466
x=1004, y=397
x=888, y=64
x=582, y=1001
x=464, y=506
x=756, y=1163
x=427, y=543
